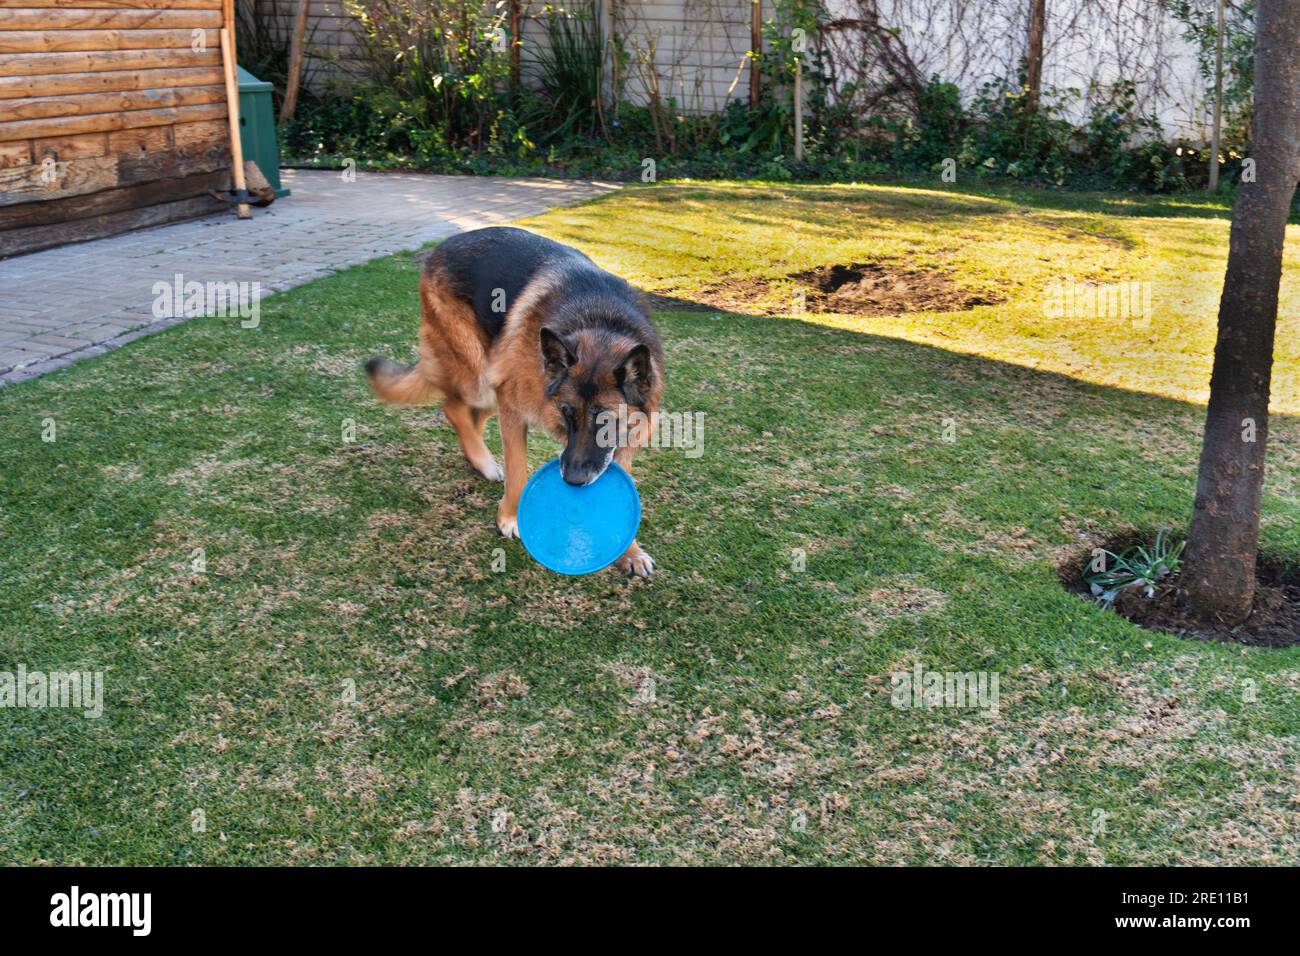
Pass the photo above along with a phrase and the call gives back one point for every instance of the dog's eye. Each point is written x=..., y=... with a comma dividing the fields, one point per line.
x=567, y=412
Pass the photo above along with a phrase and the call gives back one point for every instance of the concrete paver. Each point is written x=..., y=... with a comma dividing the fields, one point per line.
x=63, y=304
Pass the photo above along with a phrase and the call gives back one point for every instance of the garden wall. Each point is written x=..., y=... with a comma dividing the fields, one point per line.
x=698, y=47
x=1088, y=46
x=112, y=117
x=700, y=50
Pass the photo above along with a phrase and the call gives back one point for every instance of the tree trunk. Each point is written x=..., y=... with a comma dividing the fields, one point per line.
x=1219, y=575
x=516, y=43
x=1213, y=185
x=290, y=103
x=1034, y=54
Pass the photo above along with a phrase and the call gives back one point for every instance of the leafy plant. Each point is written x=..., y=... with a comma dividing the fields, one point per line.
x=792, y=43
x=1135, y=567
x=941, y=126
x=1029, y=144
x=571, y=71
x=437, y=69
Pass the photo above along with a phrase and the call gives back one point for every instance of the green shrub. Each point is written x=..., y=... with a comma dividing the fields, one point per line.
x=437, y=67
x=941, y=128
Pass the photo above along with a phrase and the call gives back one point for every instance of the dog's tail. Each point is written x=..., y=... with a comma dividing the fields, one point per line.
x=403, y=384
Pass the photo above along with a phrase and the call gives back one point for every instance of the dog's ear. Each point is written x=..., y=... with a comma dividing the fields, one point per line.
x=556, y=356
x=635, y=376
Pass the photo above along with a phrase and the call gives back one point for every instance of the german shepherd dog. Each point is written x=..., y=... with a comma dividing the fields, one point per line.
x=517, y=325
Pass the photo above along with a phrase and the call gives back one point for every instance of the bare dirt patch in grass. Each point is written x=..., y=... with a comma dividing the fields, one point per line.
x=901, y=598
x=870, y=288
x=1274, y=622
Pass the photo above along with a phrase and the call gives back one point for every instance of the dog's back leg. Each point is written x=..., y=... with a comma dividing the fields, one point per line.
x=452, y=368
x=469, y=423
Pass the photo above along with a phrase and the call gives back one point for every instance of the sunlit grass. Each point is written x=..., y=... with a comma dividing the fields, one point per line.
x=681, y=237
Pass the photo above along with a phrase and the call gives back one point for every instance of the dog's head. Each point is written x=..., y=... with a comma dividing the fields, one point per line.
x=594, y=384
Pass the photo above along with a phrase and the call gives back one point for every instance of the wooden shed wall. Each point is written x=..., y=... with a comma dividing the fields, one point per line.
x=112, y=117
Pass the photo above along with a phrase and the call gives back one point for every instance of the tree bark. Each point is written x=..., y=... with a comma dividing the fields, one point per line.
x=1034, y=54
x=1219, y=574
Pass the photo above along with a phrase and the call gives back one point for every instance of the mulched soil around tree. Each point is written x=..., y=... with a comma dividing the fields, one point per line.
x=1274, y=622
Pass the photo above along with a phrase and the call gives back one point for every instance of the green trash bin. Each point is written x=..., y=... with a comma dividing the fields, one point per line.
x=257, y=127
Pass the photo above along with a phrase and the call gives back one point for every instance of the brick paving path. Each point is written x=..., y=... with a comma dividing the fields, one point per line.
x=65, y=304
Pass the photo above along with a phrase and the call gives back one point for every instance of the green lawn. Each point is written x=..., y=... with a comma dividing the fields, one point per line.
x=508, y=717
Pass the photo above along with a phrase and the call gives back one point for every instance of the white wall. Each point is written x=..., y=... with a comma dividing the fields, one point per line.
x=1088, y=45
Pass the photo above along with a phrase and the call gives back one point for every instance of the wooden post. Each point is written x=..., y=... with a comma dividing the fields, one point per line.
x=516, y=24
x=798, y=110
x=1034, y=53
x=295, y=62
x=232, y=106
x=1218, y=102
x=605, y=13
x=756, y=47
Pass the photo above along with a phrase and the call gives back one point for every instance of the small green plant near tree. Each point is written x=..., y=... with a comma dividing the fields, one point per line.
x=1134, y=567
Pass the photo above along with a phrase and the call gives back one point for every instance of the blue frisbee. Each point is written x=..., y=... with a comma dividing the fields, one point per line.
x=578, y=530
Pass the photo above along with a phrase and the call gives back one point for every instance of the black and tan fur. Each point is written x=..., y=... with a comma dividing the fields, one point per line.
x=532, y=330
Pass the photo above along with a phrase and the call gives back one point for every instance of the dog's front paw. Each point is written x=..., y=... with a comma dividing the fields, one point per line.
x=508, y=523
x=636, y=563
